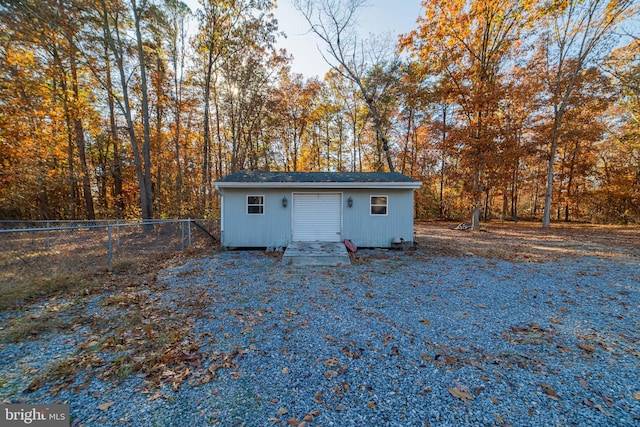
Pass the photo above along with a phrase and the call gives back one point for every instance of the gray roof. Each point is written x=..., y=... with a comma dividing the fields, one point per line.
x=262, y=176
x=317, y=179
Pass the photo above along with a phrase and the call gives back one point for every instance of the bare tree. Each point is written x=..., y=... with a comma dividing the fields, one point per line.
x=112, y=21
x=578, y=31
x=333, y=22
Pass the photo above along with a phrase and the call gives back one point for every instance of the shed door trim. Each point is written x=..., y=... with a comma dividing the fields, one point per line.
x=316, y=217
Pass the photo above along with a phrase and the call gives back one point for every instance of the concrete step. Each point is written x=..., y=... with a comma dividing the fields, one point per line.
x=316, y=253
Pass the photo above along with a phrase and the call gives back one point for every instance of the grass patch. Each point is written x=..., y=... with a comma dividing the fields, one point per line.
x=31, y=327
x=54, y=316
x=48, y=274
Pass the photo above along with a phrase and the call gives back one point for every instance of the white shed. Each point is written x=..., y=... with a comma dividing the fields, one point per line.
x=271, y=209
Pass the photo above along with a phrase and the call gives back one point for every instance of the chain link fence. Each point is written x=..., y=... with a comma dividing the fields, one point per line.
x=108, y=240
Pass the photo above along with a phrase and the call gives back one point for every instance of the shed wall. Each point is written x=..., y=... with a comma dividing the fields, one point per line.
x=366, y=230
x=241, y=229
x=273, y=228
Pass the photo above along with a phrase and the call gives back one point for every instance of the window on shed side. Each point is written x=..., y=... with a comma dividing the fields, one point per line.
x=379, y=205
x=255, y=205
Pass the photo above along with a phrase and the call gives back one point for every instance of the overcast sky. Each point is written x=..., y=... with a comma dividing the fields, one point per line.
x=380, y=17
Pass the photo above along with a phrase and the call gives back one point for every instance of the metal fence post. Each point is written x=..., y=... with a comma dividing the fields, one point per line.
x=118, y=233
x=48, y=237
x=189, y=230
x=182, y=234
x=110, y=246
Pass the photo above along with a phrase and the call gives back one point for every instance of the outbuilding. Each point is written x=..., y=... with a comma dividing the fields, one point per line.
x=272, y=209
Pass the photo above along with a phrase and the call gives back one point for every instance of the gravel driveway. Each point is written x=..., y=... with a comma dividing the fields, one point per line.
x=397, y=339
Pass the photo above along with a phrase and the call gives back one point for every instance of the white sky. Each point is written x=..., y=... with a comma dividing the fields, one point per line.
x=380, y=17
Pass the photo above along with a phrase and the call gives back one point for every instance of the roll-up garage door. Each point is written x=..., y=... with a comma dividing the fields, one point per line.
x=317, y=217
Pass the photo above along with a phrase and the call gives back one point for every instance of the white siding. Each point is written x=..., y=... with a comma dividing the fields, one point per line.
x=317, y=217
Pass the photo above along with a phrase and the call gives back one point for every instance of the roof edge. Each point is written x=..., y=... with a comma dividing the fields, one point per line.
x=391, y=185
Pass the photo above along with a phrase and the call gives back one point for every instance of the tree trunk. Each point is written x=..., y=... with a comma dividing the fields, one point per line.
x=443, y=159
x=477, y=202
x=546, y=220
x=126, y=105
x=514, y=191
x=116, y=172
x=70, y=151
x=147, y=196
x=79, y=134
x=206, y=136
x=378, y=125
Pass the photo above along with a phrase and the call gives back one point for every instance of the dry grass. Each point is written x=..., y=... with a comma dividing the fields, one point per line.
x=39, y=265
x=528, y=241
x=75, y=266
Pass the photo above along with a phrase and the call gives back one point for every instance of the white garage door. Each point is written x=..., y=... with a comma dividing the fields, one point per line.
x=317, y=217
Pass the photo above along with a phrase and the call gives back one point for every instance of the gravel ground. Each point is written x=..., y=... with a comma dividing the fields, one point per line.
x=394, y=340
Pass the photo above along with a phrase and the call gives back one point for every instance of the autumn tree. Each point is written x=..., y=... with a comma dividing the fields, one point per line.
x=618, y=197
x=177, y=20
x=519, y=110
x=227, y=30
x=49, y=28
x=293, y=103
x=576, y=35
x=467, y=43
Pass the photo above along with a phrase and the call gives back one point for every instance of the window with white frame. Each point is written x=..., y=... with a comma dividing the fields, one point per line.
x=379, y=205
x=255, y=205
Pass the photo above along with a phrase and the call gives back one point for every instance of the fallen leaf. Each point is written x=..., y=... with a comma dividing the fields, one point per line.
x=425, y=321
x=106, y=406
x=549, y=391
x=330, y=374
x=157, y=396
x=293, y=422
x=461, y=394
x=331, y=362
x=583, y=383
x=494, y=400
x=282, y=411
x=599, y=407
x=586, y=347
x=608, y=400
x=371, y=404
x=636, y=395
x=285, y=371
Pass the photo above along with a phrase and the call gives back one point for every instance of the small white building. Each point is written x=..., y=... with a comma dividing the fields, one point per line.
x=271, y=209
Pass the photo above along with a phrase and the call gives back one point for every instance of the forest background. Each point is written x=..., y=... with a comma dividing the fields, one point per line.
x=501, y=108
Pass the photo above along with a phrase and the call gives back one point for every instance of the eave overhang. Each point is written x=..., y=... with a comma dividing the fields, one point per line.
x=412, y=185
